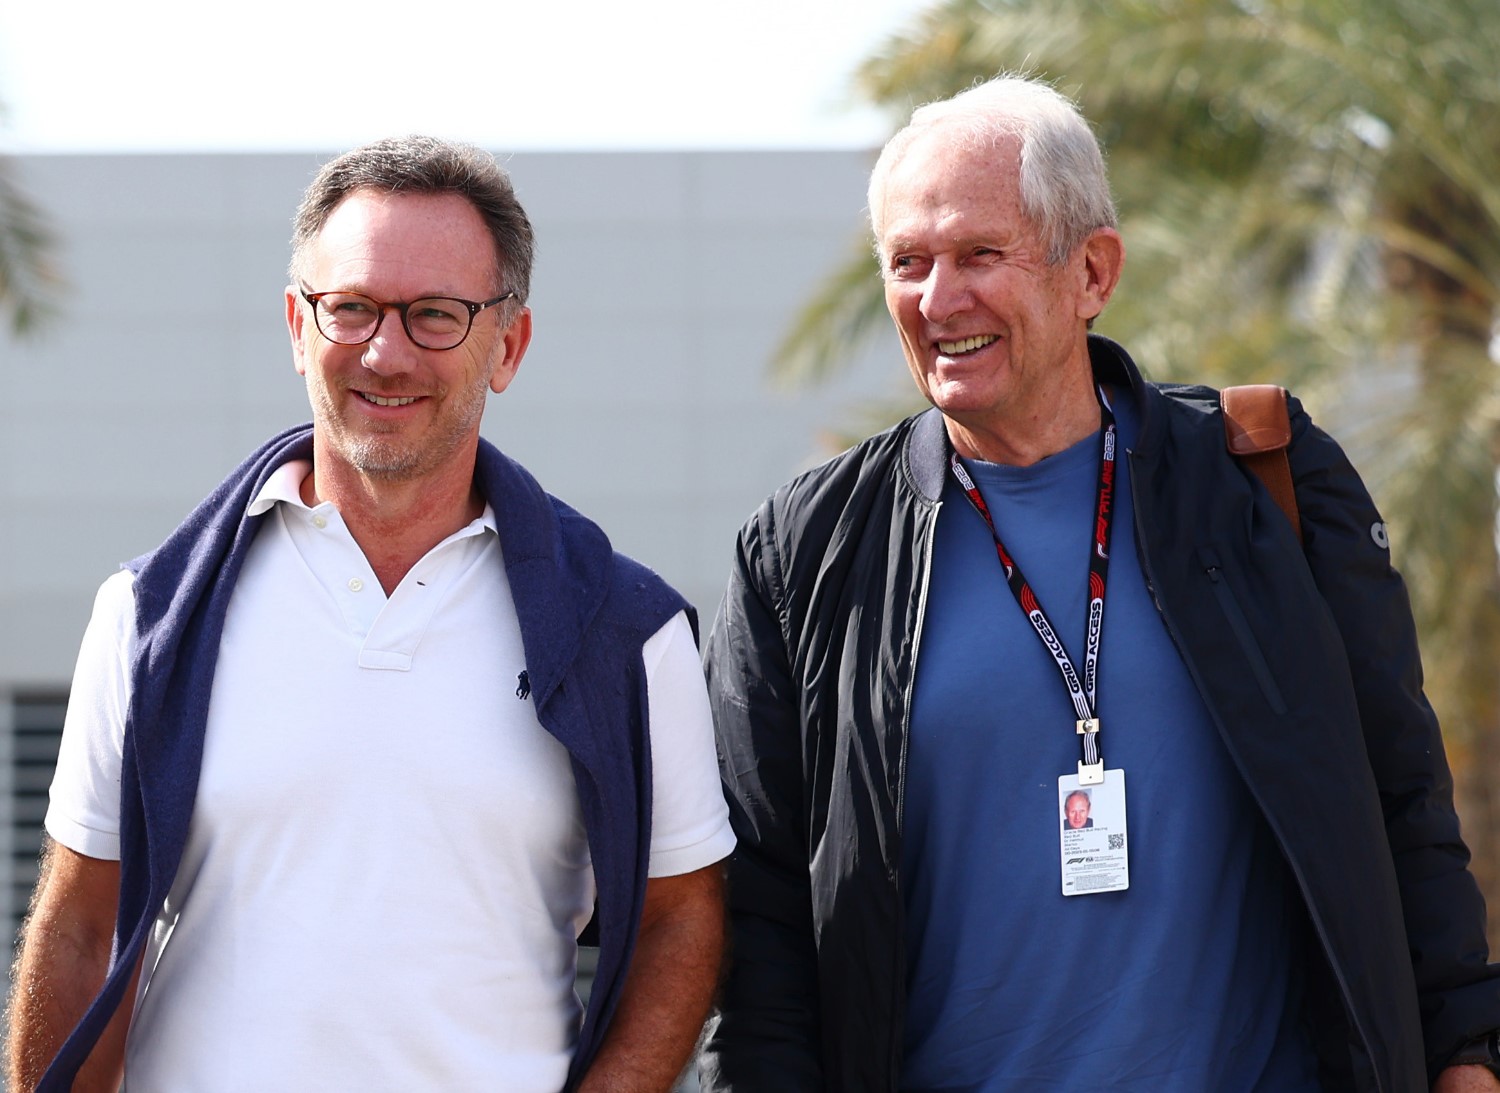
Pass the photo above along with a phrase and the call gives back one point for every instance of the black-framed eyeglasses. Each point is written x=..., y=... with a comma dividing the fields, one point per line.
x=433, y=322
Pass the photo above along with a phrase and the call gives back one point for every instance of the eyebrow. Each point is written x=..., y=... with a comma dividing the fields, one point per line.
x=896, y=246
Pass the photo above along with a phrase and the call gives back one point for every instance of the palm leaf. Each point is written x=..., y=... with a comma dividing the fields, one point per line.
x=28, y=279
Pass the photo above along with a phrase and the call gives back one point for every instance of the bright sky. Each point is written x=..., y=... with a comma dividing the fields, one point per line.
x=155, y=75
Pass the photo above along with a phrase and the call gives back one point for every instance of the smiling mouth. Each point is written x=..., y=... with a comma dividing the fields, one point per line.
x=380, y=400
x=967, y=345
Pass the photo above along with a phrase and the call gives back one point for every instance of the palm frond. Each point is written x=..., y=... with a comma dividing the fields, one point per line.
x=28, y=277
x=839, y=319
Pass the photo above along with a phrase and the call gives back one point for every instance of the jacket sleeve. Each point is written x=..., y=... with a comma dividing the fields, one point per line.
x=1347, y=550
x=764, y=1034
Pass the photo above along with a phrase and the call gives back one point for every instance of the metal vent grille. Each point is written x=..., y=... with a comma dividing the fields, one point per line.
x=36, y=728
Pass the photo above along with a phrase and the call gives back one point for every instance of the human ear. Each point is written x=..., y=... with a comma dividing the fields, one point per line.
x=507, y=356
x=1103, y=261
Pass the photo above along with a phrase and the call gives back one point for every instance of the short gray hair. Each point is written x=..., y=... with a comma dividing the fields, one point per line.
x=425, y=165
x=1064, y=189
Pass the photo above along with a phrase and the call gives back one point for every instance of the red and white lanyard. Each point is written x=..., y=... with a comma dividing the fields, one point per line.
x=1083, y=692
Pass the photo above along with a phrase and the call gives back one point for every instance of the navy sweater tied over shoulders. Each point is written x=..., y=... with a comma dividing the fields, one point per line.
x=584, y=612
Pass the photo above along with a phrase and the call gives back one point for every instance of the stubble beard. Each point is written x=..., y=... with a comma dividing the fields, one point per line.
x=390, y=457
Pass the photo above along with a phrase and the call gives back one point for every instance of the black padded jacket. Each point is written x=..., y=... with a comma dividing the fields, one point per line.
x=1306, y=656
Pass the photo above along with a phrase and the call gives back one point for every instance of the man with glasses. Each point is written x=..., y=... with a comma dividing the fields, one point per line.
x=354, y=757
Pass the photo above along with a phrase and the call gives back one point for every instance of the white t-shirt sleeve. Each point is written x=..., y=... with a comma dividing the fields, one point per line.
x=689, y=819
x=84, y=809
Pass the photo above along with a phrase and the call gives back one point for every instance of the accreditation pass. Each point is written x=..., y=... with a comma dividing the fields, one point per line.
x=1095, y=851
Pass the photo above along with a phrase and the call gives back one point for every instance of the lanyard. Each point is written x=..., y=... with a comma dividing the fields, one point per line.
x=1083, y=691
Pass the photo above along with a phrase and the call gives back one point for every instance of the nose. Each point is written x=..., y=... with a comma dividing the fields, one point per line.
x=945, y=293
x=390, y=351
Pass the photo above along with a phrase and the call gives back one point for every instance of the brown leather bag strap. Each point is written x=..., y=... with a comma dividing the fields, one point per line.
x=1258, y=431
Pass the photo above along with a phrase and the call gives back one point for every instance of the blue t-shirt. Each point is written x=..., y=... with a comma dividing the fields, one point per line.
x=1185, y=981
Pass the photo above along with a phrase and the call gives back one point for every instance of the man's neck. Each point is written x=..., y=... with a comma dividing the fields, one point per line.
x=1022, y=438
x=395, y=523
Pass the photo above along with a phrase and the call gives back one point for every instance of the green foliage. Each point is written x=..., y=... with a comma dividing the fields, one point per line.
x=1309, y=194
x=845, y=311
x=27, y=277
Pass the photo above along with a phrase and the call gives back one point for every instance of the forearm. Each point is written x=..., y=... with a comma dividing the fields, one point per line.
x=49, y=995
x=64, y=958
x=668, y=991
x=1466, y=1079
x=52, y=984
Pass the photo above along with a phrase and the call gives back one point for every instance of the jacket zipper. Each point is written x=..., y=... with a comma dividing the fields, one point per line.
x=1313, y=913
x=1241, y=627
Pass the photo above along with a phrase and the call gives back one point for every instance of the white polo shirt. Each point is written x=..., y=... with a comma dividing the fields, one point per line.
x=386, y=869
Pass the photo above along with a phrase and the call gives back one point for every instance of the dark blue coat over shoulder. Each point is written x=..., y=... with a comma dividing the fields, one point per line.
x=584, y=611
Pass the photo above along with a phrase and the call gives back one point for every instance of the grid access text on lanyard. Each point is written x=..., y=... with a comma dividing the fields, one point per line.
x=1084, y=691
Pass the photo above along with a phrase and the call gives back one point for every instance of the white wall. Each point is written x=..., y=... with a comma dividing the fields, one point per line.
x=663, y=283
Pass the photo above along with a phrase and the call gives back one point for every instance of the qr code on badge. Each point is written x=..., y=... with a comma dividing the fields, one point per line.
x=1116, y=842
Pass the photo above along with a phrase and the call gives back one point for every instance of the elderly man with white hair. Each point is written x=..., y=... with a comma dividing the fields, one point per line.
x=1059, y=578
